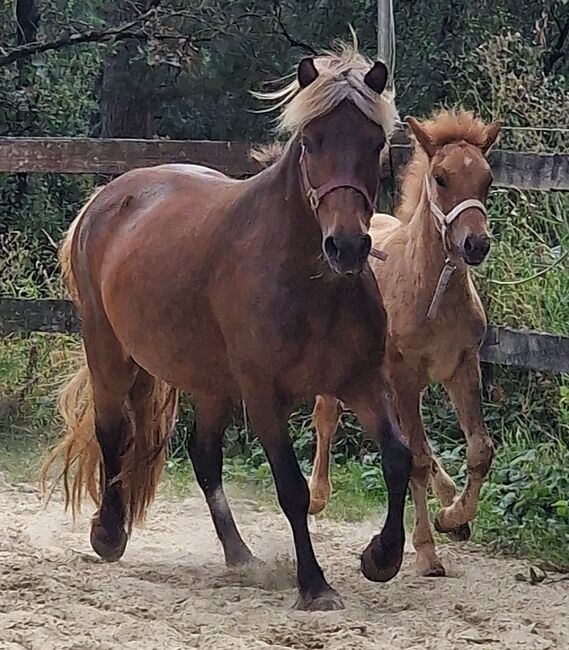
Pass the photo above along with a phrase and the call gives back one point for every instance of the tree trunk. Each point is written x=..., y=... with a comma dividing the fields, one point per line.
x=128, y=96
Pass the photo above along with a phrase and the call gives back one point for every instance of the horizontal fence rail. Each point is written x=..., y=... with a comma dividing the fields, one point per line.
x=502, y=345
x=527, y=171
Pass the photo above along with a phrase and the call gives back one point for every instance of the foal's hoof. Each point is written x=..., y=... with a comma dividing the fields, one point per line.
x=458, y=534
x=109, y=547
x=432, y=569
x=328, y=600
x=316, y=505
x=381, y=562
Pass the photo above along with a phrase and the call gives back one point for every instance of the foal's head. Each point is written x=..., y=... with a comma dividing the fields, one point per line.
x=458, y=180
x=340, y=118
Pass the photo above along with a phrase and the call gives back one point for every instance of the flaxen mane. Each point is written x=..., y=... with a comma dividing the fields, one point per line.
x=443, y=128
x=340, y=76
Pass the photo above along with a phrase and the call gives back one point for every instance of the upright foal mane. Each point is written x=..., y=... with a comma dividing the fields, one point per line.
x=445, y=127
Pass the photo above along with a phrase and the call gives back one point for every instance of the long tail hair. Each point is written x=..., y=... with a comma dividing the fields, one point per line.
x=155, y=404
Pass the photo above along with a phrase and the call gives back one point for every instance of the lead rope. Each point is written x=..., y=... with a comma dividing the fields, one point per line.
x=443, y=221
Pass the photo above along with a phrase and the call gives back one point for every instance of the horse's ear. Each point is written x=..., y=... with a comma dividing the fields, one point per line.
x=492, y=133
x=422, y=136
x=306, y=72
x=376, y=78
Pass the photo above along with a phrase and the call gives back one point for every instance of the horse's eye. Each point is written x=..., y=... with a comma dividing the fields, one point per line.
x=440, y=181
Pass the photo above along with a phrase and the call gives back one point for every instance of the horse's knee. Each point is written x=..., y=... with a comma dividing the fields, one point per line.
x=421, y=466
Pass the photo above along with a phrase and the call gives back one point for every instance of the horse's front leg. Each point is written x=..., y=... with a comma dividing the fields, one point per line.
x=464, y=391
x=373, y=404
x=268, y=417
x=325, y=419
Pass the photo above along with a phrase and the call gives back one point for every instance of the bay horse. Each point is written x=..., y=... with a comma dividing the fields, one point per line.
x=254, y=291
x=436, y=321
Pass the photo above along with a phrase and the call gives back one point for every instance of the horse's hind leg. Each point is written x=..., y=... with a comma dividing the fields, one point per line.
x=464, y=391
x=325, y=419
x=205, y=448
x=112, y=377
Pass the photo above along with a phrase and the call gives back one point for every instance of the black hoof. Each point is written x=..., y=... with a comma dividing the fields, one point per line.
x=380, y=562
x=109, y=547
x=241, y=557
x=328, y=600
x=459, y=534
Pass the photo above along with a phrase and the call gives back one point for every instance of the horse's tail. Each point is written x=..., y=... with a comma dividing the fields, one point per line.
x=155, y=404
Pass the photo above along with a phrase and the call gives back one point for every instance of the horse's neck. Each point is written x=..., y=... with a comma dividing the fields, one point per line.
x=295, y=224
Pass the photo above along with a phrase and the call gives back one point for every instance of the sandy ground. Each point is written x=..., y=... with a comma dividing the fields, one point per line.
x=171, y=590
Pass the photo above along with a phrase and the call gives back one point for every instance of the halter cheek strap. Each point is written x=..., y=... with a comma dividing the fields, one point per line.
x=444, y=221
x=316, y=194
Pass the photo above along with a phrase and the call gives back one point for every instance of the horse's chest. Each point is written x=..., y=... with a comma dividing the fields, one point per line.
x=437, y=347
x=329, y=344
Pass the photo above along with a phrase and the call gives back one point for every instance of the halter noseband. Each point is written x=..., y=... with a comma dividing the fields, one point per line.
x=316, y=194
x=443, y=222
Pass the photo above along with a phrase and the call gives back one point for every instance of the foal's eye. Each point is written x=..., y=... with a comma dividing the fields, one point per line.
x=440, y=181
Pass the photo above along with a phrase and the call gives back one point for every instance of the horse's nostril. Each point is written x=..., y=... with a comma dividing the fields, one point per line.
x=330, y=247
x=468, y=245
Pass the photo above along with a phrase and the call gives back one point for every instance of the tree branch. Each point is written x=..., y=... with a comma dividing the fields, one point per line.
x=277, y=10
x=557, y=51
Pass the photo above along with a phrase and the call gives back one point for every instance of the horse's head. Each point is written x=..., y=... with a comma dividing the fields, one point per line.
x=339, y=118
x=458, y=180
x=339, y=165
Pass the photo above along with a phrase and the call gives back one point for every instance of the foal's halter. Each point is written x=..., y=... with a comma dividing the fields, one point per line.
x=443, y=222
x=316, y=194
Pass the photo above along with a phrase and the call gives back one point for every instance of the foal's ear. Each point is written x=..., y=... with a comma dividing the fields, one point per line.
x=306, y=72
x=376, y=78
x=492, y=133
x=422, y=136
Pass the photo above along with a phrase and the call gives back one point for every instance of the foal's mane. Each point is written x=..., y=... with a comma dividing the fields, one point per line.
x=444, y=127
x=341, y=75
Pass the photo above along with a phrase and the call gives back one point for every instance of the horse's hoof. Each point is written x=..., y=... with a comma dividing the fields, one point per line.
x=328, y=600
x=458, y=534
x=240, y=556
x=109, y=548
x=383, y=564
x=433, y=569
x=316, y=505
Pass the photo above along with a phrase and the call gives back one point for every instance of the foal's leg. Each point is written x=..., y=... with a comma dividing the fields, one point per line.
x=445, y=491
x=382, y=558
x=464, y=391
x=408, y=399
x=112, y=377
x=325, y=419
x=268, y=418
x=205, y=448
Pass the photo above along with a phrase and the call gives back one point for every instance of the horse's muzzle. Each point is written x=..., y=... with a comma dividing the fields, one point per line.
x=347, y=255
x=476, y=249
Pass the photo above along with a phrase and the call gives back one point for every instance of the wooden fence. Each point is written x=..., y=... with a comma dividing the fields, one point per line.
x=529, y=171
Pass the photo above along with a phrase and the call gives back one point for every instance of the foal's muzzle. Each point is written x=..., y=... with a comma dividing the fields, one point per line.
x=347, y=255
x=476, y=249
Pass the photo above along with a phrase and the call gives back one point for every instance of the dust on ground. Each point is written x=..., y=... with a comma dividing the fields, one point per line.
x=172, y=591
